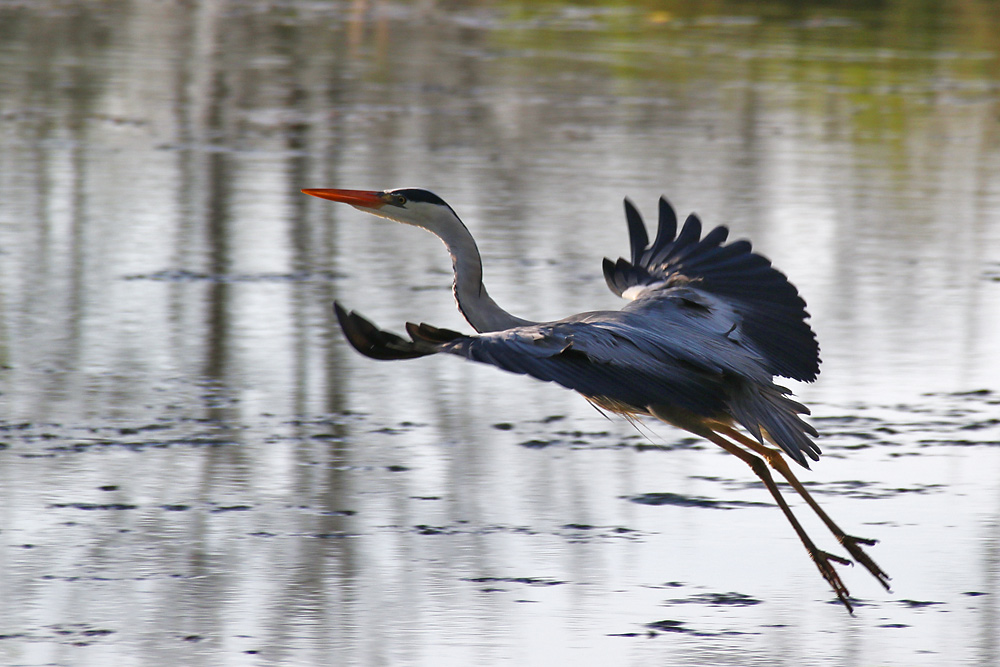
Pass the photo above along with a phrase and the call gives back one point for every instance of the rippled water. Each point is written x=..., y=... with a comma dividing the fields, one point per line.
x=195, y=468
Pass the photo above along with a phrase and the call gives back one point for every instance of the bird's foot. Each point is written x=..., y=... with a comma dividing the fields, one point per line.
x=822, y=560
x=853, y=546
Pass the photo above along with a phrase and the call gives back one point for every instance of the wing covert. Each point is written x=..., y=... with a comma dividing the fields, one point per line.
x=596, y=362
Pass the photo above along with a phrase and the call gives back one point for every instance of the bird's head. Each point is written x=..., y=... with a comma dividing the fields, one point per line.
x=411, y=206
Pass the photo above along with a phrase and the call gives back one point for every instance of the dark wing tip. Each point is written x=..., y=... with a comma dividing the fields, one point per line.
x=428, y=333
x=667, y=224
x=613, y=277
x=636, y=230
x=374, y=343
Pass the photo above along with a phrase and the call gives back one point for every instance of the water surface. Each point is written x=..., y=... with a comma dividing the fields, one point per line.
x=196, y=469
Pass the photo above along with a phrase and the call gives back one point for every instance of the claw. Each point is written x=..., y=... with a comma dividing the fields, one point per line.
x=822, y=560
x=839, y=559
x=851, y=543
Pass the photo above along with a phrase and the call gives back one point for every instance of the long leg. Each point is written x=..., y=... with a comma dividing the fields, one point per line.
x=851, y=543
x=821, y=558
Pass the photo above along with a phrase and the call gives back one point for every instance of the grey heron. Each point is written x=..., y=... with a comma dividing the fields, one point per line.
x=707, y=327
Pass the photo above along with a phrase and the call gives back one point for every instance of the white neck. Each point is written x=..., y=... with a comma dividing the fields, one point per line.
x=474, y=302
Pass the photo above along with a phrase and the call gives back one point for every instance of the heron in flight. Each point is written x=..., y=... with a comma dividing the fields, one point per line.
x=707, y=327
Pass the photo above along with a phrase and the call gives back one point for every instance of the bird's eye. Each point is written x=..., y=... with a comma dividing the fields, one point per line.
x=398, y=199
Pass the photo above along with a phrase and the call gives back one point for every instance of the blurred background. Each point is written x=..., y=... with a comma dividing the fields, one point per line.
x=196, y=469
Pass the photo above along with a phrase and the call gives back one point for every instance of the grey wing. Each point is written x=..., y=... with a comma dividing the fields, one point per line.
x=599, y=359
x=683, y=360
x=593, y=354
x=767, y=309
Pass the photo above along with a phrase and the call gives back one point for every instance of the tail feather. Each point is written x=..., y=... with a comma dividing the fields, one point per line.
x=769, y=414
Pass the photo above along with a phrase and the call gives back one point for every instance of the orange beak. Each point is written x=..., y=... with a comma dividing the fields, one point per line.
x=365, y=198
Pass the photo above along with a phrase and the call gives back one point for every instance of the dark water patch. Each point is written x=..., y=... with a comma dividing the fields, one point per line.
x=97, y=633
x=582, y=533
x=503, y=426
x=680, y=444
x=669, y=584
x=607, y=531
x=536, y=443
x=326, y=436
x=572, y=532
x=578, y=533
x=679, y=627
x=868, y=490
x=666, y=498
x=81, y=447
x=529, y=581
x=398, y=429
x=730, y=599
x=337, y=512
x=894, y=625
x=960, y=442
x=896, y=455
x=979, y=425
x=72, y=634
x=464, y=528
x=230, y=508
x=89, y=507
x=175, y=508
x=135, y=430
x=20, y=426
x=974, y=594
x=583, y=434
x=325, y=421
x=667, y=626
x=918, y=604
x=855, y=602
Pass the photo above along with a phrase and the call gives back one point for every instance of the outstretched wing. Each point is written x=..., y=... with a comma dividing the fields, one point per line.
x=596, y=358
x=765, y=307
x=683, y=360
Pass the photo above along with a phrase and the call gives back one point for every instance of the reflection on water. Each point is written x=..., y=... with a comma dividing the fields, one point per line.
x=194, y=468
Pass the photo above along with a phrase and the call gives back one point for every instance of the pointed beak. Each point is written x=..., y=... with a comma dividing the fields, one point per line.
x=363, y=198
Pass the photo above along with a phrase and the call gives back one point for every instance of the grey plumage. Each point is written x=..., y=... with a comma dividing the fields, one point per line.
x=698, y=337
x=709, y=326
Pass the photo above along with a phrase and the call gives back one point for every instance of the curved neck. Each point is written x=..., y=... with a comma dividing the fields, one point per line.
x=474, y=301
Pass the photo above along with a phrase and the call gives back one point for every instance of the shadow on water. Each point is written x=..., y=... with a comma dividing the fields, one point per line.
x=194, y=468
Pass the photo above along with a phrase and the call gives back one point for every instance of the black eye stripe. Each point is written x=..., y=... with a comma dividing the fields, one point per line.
x=420, y=195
